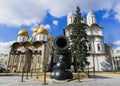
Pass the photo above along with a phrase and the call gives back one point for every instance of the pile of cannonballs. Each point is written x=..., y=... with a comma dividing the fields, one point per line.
x=60, y=72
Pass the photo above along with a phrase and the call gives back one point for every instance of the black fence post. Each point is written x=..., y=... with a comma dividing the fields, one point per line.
x=31, y=72
x=22, y=75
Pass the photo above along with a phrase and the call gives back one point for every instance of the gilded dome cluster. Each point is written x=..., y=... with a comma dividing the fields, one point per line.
x=38, y=31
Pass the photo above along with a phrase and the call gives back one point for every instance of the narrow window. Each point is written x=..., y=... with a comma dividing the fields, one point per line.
x=89, y=47
x=38, y=59
x=43, y=37
x=23, y=39
x=98, y=46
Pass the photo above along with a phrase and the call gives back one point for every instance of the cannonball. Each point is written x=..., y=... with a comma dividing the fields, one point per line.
x=60, y=75
x=53, y=74
x=61, y=65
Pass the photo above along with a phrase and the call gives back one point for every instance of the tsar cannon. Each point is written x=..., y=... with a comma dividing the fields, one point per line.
x=61, y=44
x=61, y=69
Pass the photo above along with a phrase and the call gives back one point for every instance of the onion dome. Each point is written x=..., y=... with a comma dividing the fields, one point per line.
x=50, y=38
x=35, y=29
x=23, y=32
x=42, y=30
x=91, y=18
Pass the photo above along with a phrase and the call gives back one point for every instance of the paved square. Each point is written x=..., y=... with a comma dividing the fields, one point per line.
x=101, y=80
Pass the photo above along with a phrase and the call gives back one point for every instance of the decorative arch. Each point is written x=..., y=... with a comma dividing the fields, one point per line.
x=98, y=47
x=37, y=44
x=15, y=45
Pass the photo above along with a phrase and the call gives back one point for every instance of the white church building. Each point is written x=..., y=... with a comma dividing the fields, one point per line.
x=96, y=46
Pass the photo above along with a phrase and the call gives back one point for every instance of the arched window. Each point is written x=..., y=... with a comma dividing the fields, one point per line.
x=43, y=37
x=98, y=46
x=39, y=58
x=71, y=19
x=89, y=47
x=23, y=39
x=22, y=59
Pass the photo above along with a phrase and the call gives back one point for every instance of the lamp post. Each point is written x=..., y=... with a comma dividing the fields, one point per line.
x=27, y=73
x=23, y=68
x=26, y=64
x=88, y=70
x=31, y=72
x=22, y=75
x=45, y=64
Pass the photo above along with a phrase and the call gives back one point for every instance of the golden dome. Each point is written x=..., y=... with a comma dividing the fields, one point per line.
x=50, y=38
x=42, y=30
x=23, y=32
x=35, y=29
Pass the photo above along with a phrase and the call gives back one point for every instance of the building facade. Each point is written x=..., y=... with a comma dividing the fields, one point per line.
x=116, y=59
x=30, y=52
x=3, y=60
x=95, y=46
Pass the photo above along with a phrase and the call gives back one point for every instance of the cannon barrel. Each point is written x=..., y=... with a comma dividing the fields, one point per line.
x=60, y=72
x=61, y=43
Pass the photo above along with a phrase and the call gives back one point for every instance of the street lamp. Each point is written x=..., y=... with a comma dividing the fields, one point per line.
x=45, y=64
x=26, y=65
x=22, y=69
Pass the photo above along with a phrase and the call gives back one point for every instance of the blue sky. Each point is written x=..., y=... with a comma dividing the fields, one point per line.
x=20, y=14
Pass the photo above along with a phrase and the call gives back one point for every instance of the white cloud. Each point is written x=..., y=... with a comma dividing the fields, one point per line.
x=117, y=11
x=106, y=15
x=4, y=46
x=55, y=22
x=117, y=43
x=47, y=26
x=18, y=12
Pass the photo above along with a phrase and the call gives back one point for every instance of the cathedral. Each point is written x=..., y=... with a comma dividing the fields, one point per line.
x=30, y=52
x=96, y=46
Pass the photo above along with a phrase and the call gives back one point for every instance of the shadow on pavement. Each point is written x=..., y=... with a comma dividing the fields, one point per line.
x=99, y=77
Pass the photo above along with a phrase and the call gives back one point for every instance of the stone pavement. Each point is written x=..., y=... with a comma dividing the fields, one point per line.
x=100, y=80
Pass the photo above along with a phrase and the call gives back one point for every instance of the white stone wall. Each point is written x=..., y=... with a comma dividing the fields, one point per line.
x=100, y=62
x=96, y=31
x=88, y=31
x=41, y=37
x=34, y=36
x=22, y=38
